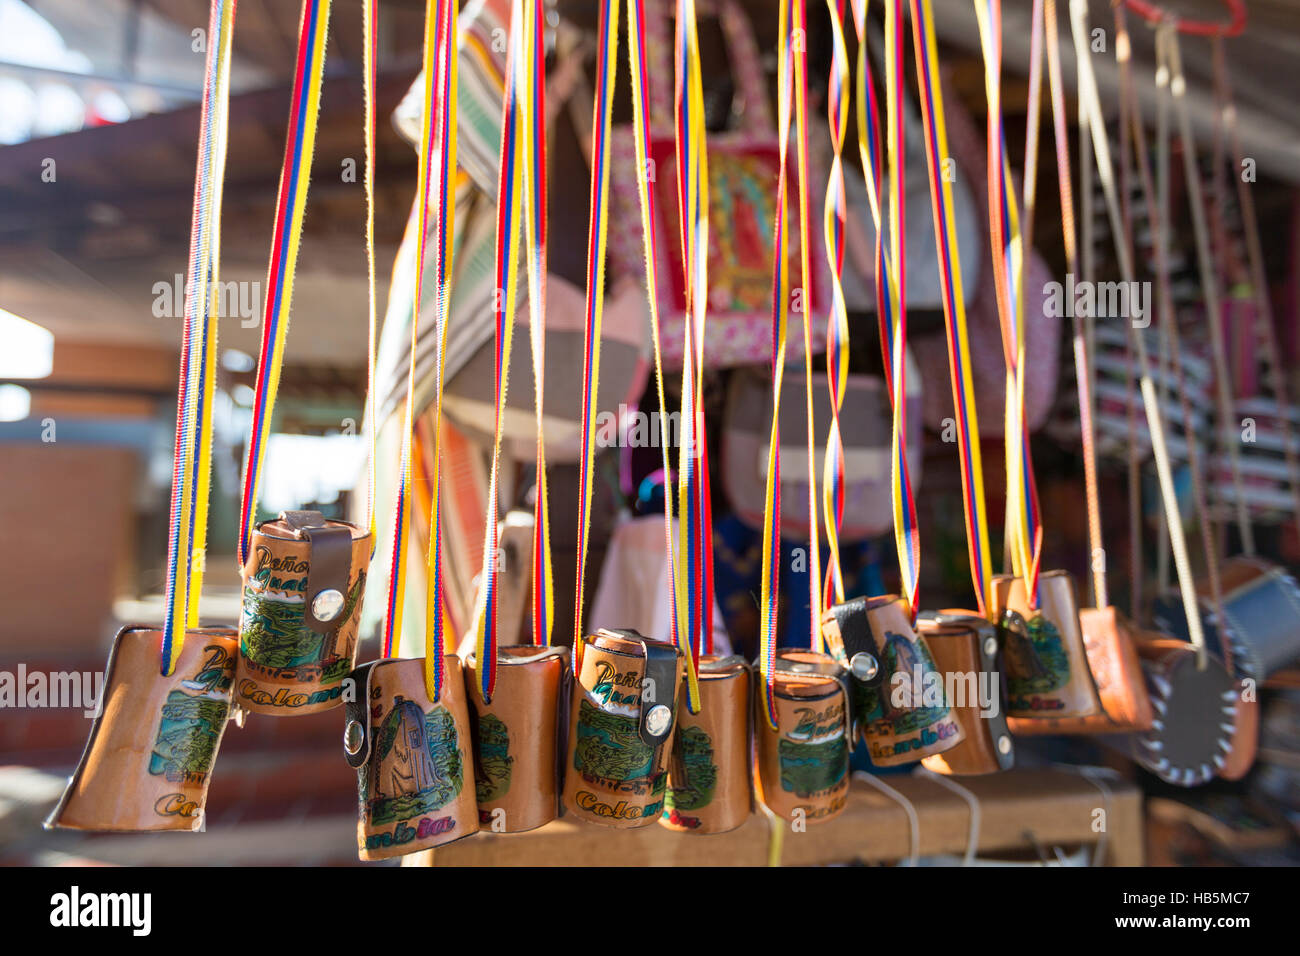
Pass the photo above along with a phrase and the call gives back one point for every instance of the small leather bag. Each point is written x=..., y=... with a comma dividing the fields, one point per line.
x=1261, y=607
x=166, y=695
x=709, y=787
x=1046, y=664
x=621, y=725
x=517, y=736
x=967, y=653
x=303, y=583
x=415, y=771
x=1196, y=714
x=802, y=767
x=890, y=666
x=1116, y=670
x=149, y=758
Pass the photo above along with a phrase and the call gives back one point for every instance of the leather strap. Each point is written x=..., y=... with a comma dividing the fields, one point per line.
x=331, y=561
x=661, y=668
x=356, y=713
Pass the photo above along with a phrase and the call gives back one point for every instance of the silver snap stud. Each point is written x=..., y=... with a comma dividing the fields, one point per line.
x=864, y=665
x=326, y=605
x=658, y=719
x=353, y=737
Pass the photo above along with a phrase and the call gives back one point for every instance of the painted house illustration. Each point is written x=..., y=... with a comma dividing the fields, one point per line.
x=406, y=767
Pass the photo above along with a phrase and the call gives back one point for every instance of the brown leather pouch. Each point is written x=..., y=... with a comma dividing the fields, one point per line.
x=1196, y=715
x=709, y=789
x=1043, y=652
x=415, y=773
x=303, y=584
x=624, y=710
x=1261, y=604
x=802, y=767
x=516, y=737
x=891, y=665
x=966, y=652
x=1115, y=668
x=149, y=758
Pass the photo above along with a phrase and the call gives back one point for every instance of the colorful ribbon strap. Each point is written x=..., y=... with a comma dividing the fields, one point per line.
x=837, y=323
x=369, y=58
x=535, y=203
x=954, y=307
x=1024, y=522
x=607, y=57
x=771, y=570
x=695, y=526
x=437, y=168
x=295, y=174
x=192, y=455
x=893, y=319
x=515, y=129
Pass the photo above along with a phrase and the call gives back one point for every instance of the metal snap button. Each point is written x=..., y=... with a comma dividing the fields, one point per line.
x=658, y=720
x=354, y=735
x=326, y=605
x=864, y=666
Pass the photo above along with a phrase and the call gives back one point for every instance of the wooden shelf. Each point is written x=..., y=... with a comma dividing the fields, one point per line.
x=1055, y=807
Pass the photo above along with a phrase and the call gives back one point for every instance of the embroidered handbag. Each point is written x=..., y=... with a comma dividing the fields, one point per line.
x=743, y=172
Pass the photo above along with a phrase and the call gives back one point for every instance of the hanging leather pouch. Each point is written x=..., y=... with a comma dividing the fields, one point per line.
x=1115, y=669
x=967, y=654
x=709, y=788
x=303, y=584
x=1261, y=603
x=1196, y=715
x=621, y=724
x=890, y=666
x=415, y=772
x=149, y=758
x=802, y=767
x=517, y=736
x=1046, y=664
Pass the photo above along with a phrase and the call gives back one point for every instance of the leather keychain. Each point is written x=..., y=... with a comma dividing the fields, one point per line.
x=875, y=639
x=167, y=692
x=517, y=701
x=406, y=730
x=303, y=575
x=624, y=711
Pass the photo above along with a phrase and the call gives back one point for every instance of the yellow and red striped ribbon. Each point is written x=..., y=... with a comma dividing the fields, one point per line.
x=192, y=458
x=837, y=323
x=771, y=571
x=954, y=307
x=437, y=168
x=607, y=57
x=291, y=205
